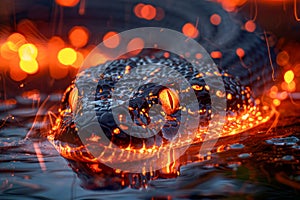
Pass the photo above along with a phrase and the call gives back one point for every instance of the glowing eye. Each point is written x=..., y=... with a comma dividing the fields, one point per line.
x=169, y=100
x=73, y=98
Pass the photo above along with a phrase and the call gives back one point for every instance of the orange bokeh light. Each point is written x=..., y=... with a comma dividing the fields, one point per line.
x=289, y=76
x=137, y=9
x=148, y=12
x=67, y=3
x=79, y=36
x=250, y=26
x=190, y=30
x=28, y=52
x=15, y=41
x=240, y=52
x=67, y=56
x=216, y=54
x=29, y=66
x=215, y=19
x=111, y=39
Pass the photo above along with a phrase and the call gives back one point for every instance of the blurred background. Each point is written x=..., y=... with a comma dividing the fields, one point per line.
x=43, y=42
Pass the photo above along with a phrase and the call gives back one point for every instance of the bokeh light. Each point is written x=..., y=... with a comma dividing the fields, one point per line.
x=15, y=41
x=67, y=3
x=190, y=30
x=289, y=76
x=250, y=26
x=29, y=66
x=215, y=19
x=67, y=56
x=79, y=36
x=28, y=52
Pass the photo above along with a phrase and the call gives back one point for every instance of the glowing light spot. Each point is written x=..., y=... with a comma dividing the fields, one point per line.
x=216, y=54
x=230, y=5
x=67, y=56
x=15, y=41
x=240, y=52
x=79, y=36
x=148, y=12
x=166, y=54
x=289, y=76
x=135, y=45
x=67, y=3
x=282, y=58
x=190, y=30
x=215, y=19
x=229, y=96
x=276, y=102
x=29, y=66
x=137, y=9
x=169, y=100
x=250, y=26
x=111, y=39
x=116, y=131
x=28, y=52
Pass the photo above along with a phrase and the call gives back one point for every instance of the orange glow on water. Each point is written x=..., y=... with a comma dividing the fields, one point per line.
x=67, y=3
x=114, y=39
x=67, y=56
x=190, y=30
x=79, y=36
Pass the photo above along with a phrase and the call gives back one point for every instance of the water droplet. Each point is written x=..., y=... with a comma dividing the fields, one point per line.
x=234, y=165
x=283, y=141
x=237, y=146
x=288, y=158
x=297, y=147
x=244, y=155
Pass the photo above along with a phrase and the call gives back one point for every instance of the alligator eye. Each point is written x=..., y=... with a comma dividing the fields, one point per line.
x=73, y=98
x=169, y=100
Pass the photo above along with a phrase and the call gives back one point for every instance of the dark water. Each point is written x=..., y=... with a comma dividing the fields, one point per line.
x=253, y=164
